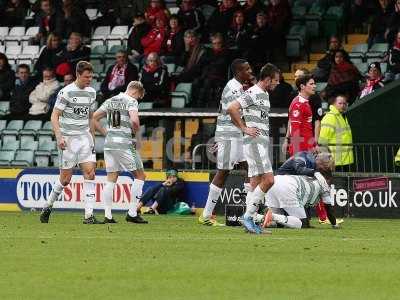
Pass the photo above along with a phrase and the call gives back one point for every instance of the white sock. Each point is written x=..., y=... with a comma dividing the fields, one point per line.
x=212, y=200
x=137, y=189
x=89, y=192
x=253, y=200
x=55, y=193
x=287, y=221
x=108, y=199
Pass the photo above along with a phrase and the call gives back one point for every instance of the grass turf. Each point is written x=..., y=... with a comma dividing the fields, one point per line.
x=175, y=258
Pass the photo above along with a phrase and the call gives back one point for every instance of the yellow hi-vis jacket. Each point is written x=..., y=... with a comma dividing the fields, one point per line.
x=335, y=129
x=397, y=158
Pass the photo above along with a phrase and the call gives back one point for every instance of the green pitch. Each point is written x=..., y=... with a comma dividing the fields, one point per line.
x=174, y=258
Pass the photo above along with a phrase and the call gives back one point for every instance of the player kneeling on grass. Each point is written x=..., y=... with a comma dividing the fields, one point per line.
x=290, y=194
x=72, y=121
x=119, y=147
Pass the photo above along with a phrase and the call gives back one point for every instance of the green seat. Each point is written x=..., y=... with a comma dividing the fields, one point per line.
x=13, y=127
x=4, y=108
x=321, y=86
x=26, y=144
x=23, y=158
x=42, y=161
x=363, y=67
x=171, y=68
x=356, y=60
x=47, y=129
x=3, y=124
x=6, y=156
x=377, y=50
x=55, y=160
x=31, y=127
x=98, y=52
x=183, y=90
x=113, y=50
x=145, y=105
x=10, y=145
x=9, y=138
x=359, y=51
x=46, y=147
x=177, y=102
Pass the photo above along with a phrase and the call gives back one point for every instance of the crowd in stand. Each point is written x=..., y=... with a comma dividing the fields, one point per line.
x=202, y=39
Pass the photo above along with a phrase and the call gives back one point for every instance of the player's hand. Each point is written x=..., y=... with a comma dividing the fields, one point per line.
x=61, y=143
x=251, y=131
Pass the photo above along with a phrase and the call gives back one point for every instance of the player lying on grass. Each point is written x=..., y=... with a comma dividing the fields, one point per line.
x=290, y=194
x=119, y=147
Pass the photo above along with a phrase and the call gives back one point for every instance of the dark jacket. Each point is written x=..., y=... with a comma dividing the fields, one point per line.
x=50, y=58
x=73, y=57
x=15, y=16
x=19, y=103
x=156, y=85
x=137, y=33
x=394, y=60
x=54, y=23
x=78, y=21
x=282, y=95
x=176, y=46
x=260, y=36
x=192, y=19
x=131, y=73
x=7, y=81
x=217, y=64
x=191, y=73
x=220, y=21
x=250, y=13
x=302, y=163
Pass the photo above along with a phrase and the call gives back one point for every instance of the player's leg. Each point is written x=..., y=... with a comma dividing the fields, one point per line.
x=63, y=180
x=107, y=196
x=89, y=191
x=296, y=217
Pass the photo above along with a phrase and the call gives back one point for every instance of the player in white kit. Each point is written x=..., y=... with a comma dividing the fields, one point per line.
x=290, y=194
x=228, y=137
x=119, y=147
x=255, y=106
x=74, y=130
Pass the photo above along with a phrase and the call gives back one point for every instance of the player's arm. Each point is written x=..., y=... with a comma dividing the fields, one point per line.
x=92, y=126
x=300, y=168
x=329, y=205
x=134, y=116
x=55, y=123
x=234, y=112
x=99, y=114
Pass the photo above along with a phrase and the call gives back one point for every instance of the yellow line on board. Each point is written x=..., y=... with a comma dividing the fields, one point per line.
x=9, y=207
x=9, y=173
x=187, y=176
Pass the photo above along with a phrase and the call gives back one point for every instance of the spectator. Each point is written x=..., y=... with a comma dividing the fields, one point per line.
x=175, y=45
x=239, y=33
x=48, y=20
x=394, y=23
x=192, y=17
x=278, y=17
x=139, y=30
x=52, y=55
x=68, y=79
x=156, y=11
x=343, y=78
x=7, y=78
x=208, y=88
x=14, y=13
x=155, y=80
x=76, y=52
x=24, y=85
x=379, y=27
x=393, y=60
x=323, y=69
x=118, y=75
x=154, y=40
x=374, y=79
x=359, y=14
x=39, y=97
x=165, y=194
x=193, y=59
x=261, y=35
x=282, y=95
x=221, y=19
x=251, y=9
x=335, y=130
x=74, y=20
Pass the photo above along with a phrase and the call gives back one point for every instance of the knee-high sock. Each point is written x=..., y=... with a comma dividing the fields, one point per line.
x=321, y=211
x=137, y=190
x=108, y=199
x=253, y=200
x=56, y=191
x=89, y=192
x=287, y=221
x=212, y=199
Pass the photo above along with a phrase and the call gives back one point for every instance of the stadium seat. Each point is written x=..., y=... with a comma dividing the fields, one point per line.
x=101, y=33
x=2, y=49
x=112, y=50
x=91, y=13
x=3, y=33
x=6, y=157
x=98, y=68
x=46, y=147
x=9, y=138
x=31, y=127
x=10, y=145
x=358, y=51
x=14, y=36
x=23, y=158
x=3, y=124
x=321, y=86
x=118, y=33
x=13, y=127
x=171, y=68
x=145, y=105
x=47, y=129
x=96, y=85
x=173, y=10
x=42, y=161
x=363, y=67
x=356, y=60
x=177, y=102
x=383, y=68
x=377, y=51
x=30, y=32
x=25, y=140
x=4, y=108
x=55, y=160
x=98, y=52
x=183, y=90
x=13, y=51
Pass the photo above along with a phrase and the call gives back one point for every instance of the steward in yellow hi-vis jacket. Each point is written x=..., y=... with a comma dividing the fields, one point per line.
x=397, y=158
x=335, y=129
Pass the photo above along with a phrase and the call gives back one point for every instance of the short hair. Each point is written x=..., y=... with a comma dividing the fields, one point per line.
x=332, y=100
x=326, y=161
x=268, y=70
x=302, y=80
x=237, y=65
x=304, y=70
x=83, y=66
x=135, y=85
x=217, y=35
x=77, y=34
x=192, y=33
x=23, y=66
x=122, y=51
x=48, y=69
x=175, y=17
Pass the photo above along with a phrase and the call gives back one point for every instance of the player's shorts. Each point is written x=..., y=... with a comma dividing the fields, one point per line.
x=230, y=152
x=256, y=154
x=122, y=160
x=79, y=149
